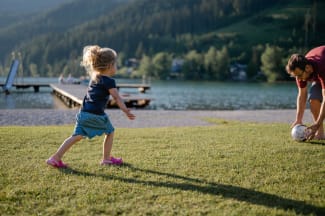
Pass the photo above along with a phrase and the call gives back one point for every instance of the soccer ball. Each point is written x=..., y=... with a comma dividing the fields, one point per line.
x=299, y=133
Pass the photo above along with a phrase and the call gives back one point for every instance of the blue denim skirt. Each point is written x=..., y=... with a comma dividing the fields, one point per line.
x=90, y=125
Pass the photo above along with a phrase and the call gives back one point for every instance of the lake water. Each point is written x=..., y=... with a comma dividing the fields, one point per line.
x=174, y=95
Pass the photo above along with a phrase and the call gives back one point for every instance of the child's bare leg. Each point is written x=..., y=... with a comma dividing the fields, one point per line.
x=66, y=145
x=107, y=146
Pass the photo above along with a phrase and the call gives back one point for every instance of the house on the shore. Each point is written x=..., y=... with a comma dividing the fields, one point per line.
x=131, y=64
x=176, y=68
x=238, y=72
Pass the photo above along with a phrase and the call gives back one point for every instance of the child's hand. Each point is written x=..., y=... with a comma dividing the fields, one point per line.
x=130, y=115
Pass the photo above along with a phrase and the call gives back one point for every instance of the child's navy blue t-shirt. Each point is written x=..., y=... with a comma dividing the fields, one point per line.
x=97, y=95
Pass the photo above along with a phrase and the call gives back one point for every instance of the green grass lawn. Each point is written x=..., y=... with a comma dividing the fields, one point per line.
x=231, y=168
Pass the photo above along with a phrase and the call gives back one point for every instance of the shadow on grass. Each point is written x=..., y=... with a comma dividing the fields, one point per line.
x=316, y=142
x=212, y=188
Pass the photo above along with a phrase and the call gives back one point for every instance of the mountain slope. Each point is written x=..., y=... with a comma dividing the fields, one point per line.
x=147, y=27
x=283, y=24
x=58, y=20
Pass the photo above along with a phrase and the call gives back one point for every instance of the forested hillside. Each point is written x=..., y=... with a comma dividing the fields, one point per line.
x=207, y=34
x=56, y=21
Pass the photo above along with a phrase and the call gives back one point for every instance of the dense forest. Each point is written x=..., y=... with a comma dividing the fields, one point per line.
x=206, y=36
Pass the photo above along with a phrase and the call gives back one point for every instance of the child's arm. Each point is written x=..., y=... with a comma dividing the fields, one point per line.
x=120, y=103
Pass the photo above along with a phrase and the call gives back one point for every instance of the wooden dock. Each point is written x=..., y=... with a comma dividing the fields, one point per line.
x=36, y=86
x=141, y=87
x=72, y=95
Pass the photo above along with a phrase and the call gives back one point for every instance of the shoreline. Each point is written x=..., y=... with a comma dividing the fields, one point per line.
x=148, y=118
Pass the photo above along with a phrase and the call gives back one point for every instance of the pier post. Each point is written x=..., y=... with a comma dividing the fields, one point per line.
x=36, y=88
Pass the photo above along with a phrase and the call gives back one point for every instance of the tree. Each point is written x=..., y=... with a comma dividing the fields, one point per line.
x=33, y=70
x=2, y=70
x=145, y=69
x=222, y=62
x=210, y=63
x=161, y=65
x=314, y=18
x=255, y=62
x=72, y=66
x=121, y=58
x=193, y=65
x=307, y=23
x=139, y=52
x=272, y=65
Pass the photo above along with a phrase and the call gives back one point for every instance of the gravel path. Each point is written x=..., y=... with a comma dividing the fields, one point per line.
x=147, y=118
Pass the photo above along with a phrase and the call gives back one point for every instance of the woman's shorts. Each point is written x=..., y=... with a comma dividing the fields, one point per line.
x=90, y=125
x=315, y=91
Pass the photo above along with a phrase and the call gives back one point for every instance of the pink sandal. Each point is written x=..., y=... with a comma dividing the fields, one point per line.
x=112, y=161
x=57, y=164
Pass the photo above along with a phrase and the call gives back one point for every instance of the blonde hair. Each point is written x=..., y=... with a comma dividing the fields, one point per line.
x=96, y=60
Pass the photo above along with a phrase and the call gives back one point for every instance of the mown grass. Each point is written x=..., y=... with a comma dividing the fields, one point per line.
x=231, y=168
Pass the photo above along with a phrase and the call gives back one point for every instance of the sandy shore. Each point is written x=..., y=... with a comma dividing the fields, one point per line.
x=147, y=118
